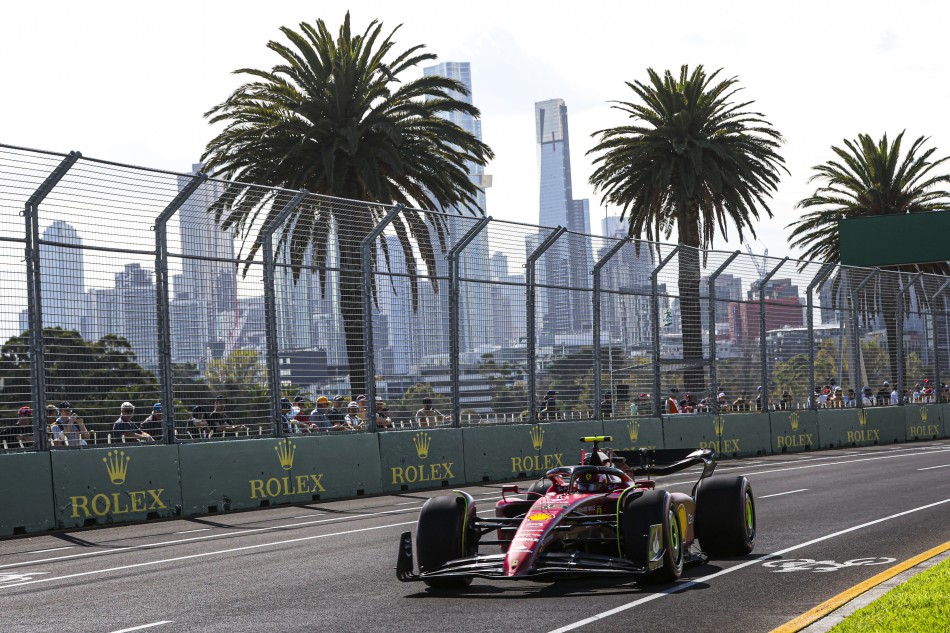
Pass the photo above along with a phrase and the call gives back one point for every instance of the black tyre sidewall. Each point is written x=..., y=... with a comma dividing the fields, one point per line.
x=440, y=533
x=639, y=513
x=721, y=516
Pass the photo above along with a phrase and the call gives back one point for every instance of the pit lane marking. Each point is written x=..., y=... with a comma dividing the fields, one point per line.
x=779, y=494
x=176, y=559
x=143, y=626
x=699, y=581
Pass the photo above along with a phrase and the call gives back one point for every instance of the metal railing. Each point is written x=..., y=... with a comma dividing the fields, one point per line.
x=167, y=290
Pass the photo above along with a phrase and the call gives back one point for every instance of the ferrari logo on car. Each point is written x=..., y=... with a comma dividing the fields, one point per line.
x=537, y=436
x=540, y=516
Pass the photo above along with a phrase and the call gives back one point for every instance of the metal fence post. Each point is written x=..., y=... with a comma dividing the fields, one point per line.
x=598, y=268
x=270, y=308
x=162, y=303
x=454, y=297
x=366, y=258
x=713, y=376
x=900, y=337
x=763, y=345
x=819, y=279
x=655, y=308
x=933, y=318
x=35, y=298
x=529, y=317
x=856, y=335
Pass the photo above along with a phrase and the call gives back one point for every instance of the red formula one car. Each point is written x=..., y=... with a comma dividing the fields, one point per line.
x=601, y=517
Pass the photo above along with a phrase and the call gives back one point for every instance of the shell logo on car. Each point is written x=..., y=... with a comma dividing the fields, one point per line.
x=540, y=516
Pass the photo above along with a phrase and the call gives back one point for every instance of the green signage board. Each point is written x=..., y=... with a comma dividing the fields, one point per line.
x=26, y=496
x=794, y=431
x=635, y=433
x=123, y=482
x=336, y=466
x=869, y=426
x=886, y=240
x=421, y=459
x=925, y=421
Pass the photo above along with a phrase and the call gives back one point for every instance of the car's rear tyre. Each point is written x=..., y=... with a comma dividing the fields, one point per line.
x=442, y=534
x=725, y=516
x=653, y=507
x=539, y=488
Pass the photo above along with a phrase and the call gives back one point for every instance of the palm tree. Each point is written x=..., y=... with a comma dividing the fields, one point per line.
x=694, y=159
x=334, y=118
x=871, y=179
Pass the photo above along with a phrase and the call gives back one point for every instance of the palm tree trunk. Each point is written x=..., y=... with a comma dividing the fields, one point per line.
x=689, y=275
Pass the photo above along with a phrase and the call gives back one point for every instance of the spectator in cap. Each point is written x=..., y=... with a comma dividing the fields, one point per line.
x=549, y=406
x=786, y=401
x=883, y=395
x=153, y=424
x=20, y=435
x=353, y=419
x=361, y=408
x=337, y=414
x=383, y=421
x=741, y=403
x=687, y=404
x=74, y=428
x=850, y=399
x=428, y=415
x=835, y=399
x=53, y=430
x=300, y=418
x=287, y=422
x=220, y=421
x=867, y=396
x=125, y=428
x=319, y=420
x=198, y=427
x=894, y=397
x=721, y=402
x=672, y=402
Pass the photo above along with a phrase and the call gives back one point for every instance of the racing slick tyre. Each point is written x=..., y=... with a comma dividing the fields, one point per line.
x=442, y=534
x=653, y=507
x=540, y=488
x=725, y=516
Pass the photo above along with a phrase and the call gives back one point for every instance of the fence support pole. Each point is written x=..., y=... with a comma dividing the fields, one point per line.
x=529, y=315
x=270, y=309
x=933, y=317
x=366, y=259
x=455, y=271
x=31, y=213
x=655, y=308
x=598, y=269
x=713, y=375
x=763, y=344
x=819, y=279
x=900, y=338
x=162, y=303
x=856, y=335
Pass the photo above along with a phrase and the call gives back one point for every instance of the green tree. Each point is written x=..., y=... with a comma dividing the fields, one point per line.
x=333, y=117
x=694, y=159
x=867, y=179
x=242, y=379
x=405, y=408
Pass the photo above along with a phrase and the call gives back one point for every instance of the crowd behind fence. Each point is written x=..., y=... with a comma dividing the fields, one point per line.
x=223, y=310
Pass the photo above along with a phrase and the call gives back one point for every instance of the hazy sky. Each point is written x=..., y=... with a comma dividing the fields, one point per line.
x=129, y=81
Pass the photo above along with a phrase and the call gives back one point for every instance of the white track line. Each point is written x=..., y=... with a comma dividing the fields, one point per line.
x=144, y=626
x=779, y=494
x=932, y=467
x=686, y=585
x=52, y=549
x=206, y=554
x=190, y=531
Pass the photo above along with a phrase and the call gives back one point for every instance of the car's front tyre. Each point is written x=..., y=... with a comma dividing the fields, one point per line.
x=640, y=513
x=443, y=534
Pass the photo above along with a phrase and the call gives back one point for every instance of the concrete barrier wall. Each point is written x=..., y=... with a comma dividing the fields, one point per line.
x=67, y=489
x=26, y=496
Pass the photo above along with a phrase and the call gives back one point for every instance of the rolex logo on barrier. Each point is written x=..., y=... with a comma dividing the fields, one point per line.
x=793, y=420
x=719, y=424
x=285, y=453
x=115, y=504
x=537, y=436
x=794, y=439
x=633, y=430
x=862, y=417
x=418, y=473
x=864, y=434
x=422, y=440
x=923, y=414
x=117, y=465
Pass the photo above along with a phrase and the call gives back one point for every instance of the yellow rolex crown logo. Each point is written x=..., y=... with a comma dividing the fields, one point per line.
x=285, y=453
x=793, y=418
x=719, y=424
x=923, y=414
x=422, y=440
x=117, y=465
x=633, y=430
x=537, y=436
x=862, y=417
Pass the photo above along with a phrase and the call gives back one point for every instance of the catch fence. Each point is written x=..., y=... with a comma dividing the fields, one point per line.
x=211, y=306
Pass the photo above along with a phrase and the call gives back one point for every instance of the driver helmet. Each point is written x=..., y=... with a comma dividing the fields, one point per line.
x=592, y=482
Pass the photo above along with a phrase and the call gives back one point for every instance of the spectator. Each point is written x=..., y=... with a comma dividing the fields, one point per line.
x=336, y=414
x=705, y=405
x=823, y=394
x=786, y=402
x=927, y=395
x=549, y=409
x=850, y=400
x=361, y=409
x=20, y=435
x=606, y=406
x=319, y=418
x=198, y=427
x=894, y=397
x=125, y=429
x=835, y=400
x=867, y=397
x=883, y=396
x=285, y=420
x=53, y=430
x=672, y=402
x=428, y=416
x=353, y=419
x=758, y=400
x=915, y=397
x=741, y=403
x=687, y=404
x=383, y=421
x=74, y=428
x=153, y=424
x=721, y=402
x=220, y=421
x=634, y=408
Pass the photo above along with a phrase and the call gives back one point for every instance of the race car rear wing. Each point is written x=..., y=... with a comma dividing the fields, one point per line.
x=666, y=461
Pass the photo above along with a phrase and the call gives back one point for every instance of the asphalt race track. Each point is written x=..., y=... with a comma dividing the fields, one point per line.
x=826, y=521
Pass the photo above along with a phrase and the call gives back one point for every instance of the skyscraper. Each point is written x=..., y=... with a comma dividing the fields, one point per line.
x=62, y=277
x=569, y=262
